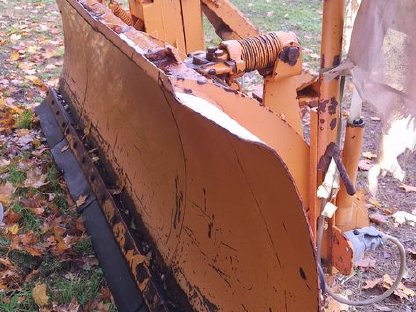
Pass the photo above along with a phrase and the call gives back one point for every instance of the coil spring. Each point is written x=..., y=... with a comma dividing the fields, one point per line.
x=120, y=13
x=261, y=51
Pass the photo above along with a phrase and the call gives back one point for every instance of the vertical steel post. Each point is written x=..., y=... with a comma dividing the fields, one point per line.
x=328, y=108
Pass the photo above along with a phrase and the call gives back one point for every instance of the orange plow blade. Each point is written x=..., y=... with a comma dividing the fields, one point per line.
x=217, y=181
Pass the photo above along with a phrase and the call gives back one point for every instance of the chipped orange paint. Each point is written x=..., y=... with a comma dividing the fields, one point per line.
x=216, y=195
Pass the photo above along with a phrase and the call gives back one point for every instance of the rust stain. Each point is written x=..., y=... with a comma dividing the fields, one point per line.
x=332, y=107
x=337, y=60
x=322, y=106
x=333, y=123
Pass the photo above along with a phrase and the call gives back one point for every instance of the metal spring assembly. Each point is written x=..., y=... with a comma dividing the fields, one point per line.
x=122, y=14
x=261, y=51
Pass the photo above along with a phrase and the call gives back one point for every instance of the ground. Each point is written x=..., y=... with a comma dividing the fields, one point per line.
x=46, y=259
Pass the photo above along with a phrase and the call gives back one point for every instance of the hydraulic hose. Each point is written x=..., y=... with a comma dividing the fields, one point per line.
x=344, y=300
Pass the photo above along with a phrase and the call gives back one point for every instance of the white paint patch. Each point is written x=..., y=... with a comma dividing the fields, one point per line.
x=131, y=43
x=213, y=113
x=400, y=137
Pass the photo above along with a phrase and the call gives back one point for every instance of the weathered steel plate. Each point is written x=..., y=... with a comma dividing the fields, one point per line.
x=217, y=188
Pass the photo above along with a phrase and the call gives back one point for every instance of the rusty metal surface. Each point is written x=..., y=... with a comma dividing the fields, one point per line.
x=228, y=21
x=329, y=97
x=138, y=263
x=218, y=184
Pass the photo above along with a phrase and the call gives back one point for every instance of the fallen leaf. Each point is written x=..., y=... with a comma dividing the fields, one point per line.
x=404, y=292
x=335, y=306
x=366, y=262
x=377, y=218
x=402, y=217
x=81, y=200
x=12, y=229
x=370, y=284
x=63, y=149
x=34, y=79
x=6, y=262
x=31, y=275
x=15, y=55
x=34, y=251
x=408, y=188
x=35, y=178
x=4, y=162
x=412, y=253
x=39, y=295
x=386, y=282
x=374, y=202
x=6, y=191
x=28, y=238
x=15, y=37
x=73, y=306
x=369, y=155
x=386, y=211
x=105, y=293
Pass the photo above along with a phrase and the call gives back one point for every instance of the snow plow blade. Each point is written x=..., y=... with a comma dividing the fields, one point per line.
x=213, y=182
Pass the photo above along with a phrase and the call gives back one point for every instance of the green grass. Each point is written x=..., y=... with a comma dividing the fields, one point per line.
x=60, y=199
x=53, y=176
x=29, y=221
x=83, y=246
x=85, y=289
x=50, y=266
x=25, y=261
x=16, y=175
x=25, y=120
x=18, y=301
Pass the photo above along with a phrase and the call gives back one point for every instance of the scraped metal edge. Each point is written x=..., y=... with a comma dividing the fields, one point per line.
x=116, y=270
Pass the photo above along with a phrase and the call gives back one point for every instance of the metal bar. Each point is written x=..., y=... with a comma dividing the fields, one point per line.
x=136, y=261
x=228, y=21
x=328, y=106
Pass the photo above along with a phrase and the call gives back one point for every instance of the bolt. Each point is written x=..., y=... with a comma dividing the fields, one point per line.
x=290, y=55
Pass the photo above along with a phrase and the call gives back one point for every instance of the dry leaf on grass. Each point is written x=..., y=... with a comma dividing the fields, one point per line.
x=374, y=202
x=12, y=229
x=6, y=191
x=14, y=56
x=81, y=200
x=63, y=149
x=6, y=262
x=335, y=306
x=73, y=306
x=378, y=218
x=366, y=262
x=31, y=275
x=402, y=217
x=39, y=295
x=35, y=178
x=385, y=282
